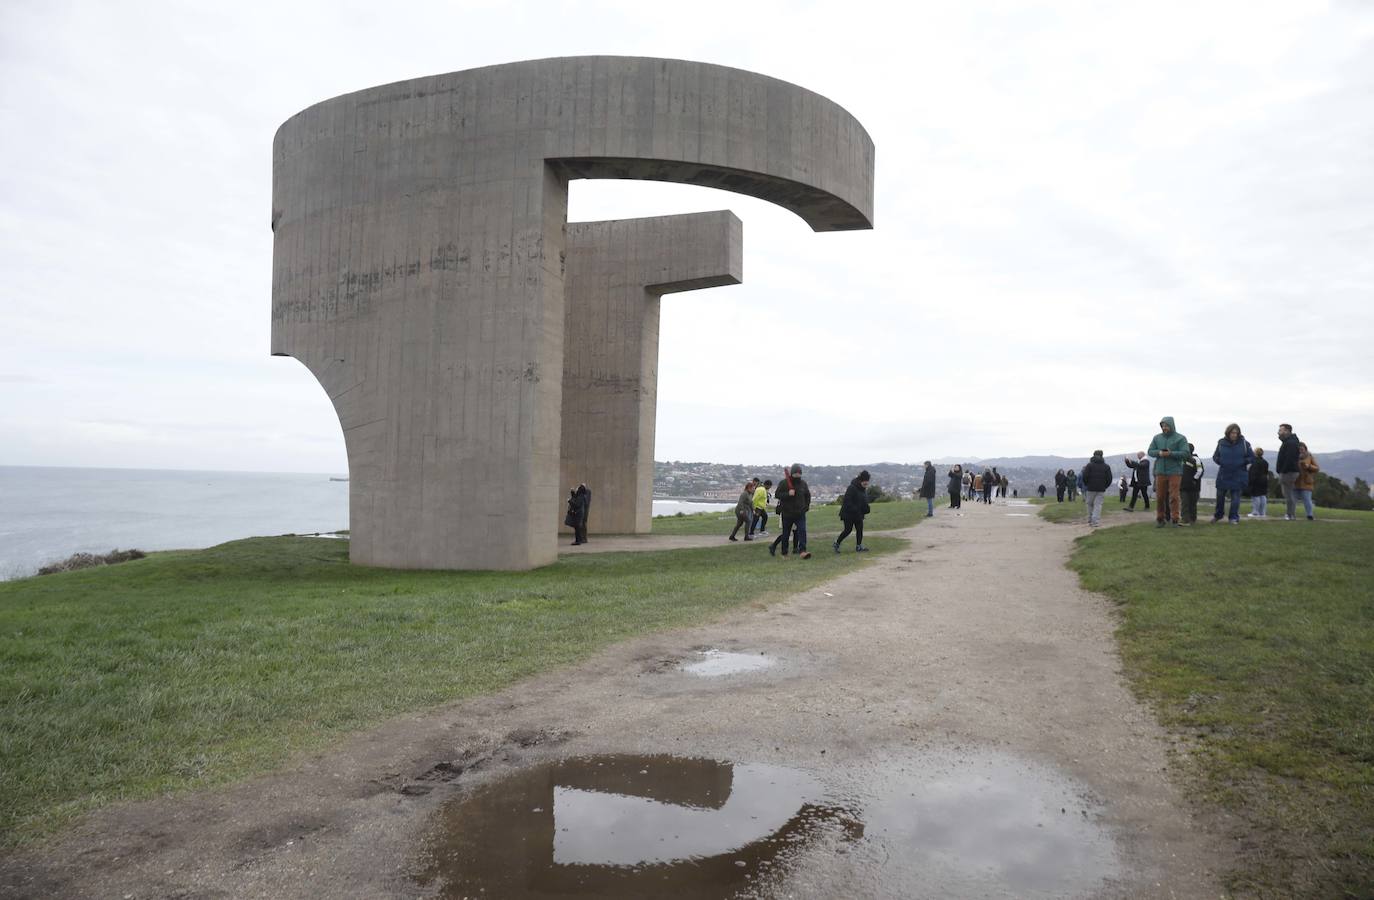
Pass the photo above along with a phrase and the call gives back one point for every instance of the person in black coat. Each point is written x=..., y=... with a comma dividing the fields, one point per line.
x=852, y=511
x=928, y=489
x=1259, y=486
x=1140, y=478
x=1060, y=482
x=584, y=508
x=570, y=518
x=956, y=485
x=1097, y=477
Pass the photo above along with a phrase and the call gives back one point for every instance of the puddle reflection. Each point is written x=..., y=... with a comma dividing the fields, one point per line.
x=715, y=663
x=629, y=826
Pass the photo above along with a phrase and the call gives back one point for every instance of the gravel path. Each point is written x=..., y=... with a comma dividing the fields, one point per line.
x=957, y=711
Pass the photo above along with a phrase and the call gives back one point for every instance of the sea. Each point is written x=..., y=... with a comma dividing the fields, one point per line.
x=47, y=514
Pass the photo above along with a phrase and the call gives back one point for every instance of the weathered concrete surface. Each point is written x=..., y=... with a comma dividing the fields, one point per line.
x=616, y=273
x=418, y=267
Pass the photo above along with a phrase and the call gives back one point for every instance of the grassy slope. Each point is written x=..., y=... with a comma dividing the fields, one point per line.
x=197, y=667
x=1256, y=643
x=822, y=522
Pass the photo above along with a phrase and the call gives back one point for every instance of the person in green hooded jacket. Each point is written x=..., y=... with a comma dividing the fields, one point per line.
x=1168, y=449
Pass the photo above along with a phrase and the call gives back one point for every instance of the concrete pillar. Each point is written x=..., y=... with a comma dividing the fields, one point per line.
x=616, y=272
x=418, y=267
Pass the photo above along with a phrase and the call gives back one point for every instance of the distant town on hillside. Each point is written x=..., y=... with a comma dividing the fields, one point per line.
x=722, y=481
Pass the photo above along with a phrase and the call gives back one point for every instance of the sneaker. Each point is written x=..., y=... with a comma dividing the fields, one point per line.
x=1235, y=521
x=733, y=538
x=763, y=534
x=1311, y=518
x=861, y=549
x=748, y=539
x=1178, y=524
x=836, y=546
x=773, y=550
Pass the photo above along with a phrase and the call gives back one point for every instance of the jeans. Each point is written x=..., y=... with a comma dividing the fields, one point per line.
x=1094, y=500
x=1222, y=494
x=930, y=506
x=1288, y=479
x=1259, y=505
x=857, y=528
x=1306, y=498
x=760, y=521
x=799, y=543
x=1167, y=500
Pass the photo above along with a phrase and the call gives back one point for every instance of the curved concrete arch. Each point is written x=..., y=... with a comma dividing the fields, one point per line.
x=617, y=271
x=419, y=256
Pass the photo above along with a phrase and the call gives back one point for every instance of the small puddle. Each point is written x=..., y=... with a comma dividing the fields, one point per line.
x=715, y=663
x=1019, y=515
x=629, y=826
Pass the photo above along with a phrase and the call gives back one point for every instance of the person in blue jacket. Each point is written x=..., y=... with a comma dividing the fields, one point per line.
x=1233, y=457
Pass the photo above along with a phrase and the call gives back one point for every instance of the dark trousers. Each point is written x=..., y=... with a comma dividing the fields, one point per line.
x=760, y=520
x=1059, y=494
x=580, y=533
x=742, y=520
x=1222, y=494
x=954, y=499
x=1141, y=491
x=784, y=533
x=987, y=493
x=1123, y=493
x=857, y=528
x=1188, y=500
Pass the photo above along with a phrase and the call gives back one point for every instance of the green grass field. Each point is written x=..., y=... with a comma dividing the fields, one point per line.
x=193, y=668
x=822, y=522
x=1256, y=645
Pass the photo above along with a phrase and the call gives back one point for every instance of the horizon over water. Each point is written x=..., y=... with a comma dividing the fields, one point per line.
x=47, y=513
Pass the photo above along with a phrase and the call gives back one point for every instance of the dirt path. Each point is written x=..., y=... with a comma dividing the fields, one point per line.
x=951, y=720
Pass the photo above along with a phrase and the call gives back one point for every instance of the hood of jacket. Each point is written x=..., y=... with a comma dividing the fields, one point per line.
x=1169, y=420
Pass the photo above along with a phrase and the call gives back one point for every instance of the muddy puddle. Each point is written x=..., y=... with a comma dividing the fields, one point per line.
x=948, y=824
x=630, y=826
x=717, y=663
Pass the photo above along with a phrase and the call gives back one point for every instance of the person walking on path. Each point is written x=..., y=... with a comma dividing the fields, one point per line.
x=1190, y=487
x=988, y=480
x=1286, y=467
x=1097, y=477
x=744, y=511
x=1071, y=485
x=1233, y=457
x=1124, y=486
x=1060, y=482
x=1140, y=478
x=956, y=484
x=852, y=511
x=1306, y=482
x=1168, y=449
x=584, y=511
x=1041, y=491
x=1259, y=486
x=928, y=489
x=794, y=499
x=761, y=493
x=968, y=484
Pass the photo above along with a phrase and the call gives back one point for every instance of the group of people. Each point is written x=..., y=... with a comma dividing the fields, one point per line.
x=793, y=501
x=981, y=486
x=1178, y=473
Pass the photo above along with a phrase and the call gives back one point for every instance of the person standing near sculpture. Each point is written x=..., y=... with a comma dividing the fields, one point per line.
x=1190, y=487
x=1259, y=486
x=1140, y=478
x=852, y=511
x=1097, y=477
x=583, y=494
x=744, y=511
x=570, y=519
x=794, y=499
x=1286, y=467
x=1168, y=449
x=928, y=489
x=1233, y=457
x=1306, y=481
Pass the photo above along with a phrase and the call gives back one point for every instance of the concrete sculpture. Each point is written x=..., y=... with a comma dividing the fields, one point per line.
x=420, y=244
x=617, y=271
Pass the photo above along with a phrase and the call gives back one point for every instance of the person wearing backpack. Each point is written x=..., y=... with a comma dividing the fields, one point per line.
x=852, y=511
x=1190, y=487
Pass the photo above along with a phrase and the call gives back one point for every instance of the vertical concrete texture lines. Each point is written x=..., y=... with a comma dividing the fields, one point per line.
x=419, y=265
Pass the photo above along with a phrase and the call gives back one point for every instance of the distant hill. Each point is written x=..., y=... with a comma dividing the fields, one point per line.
x=1347, y=465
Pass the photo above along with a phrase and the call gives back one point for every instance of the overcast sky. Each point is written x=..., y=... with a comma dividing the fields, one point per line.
x=1088, y=215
